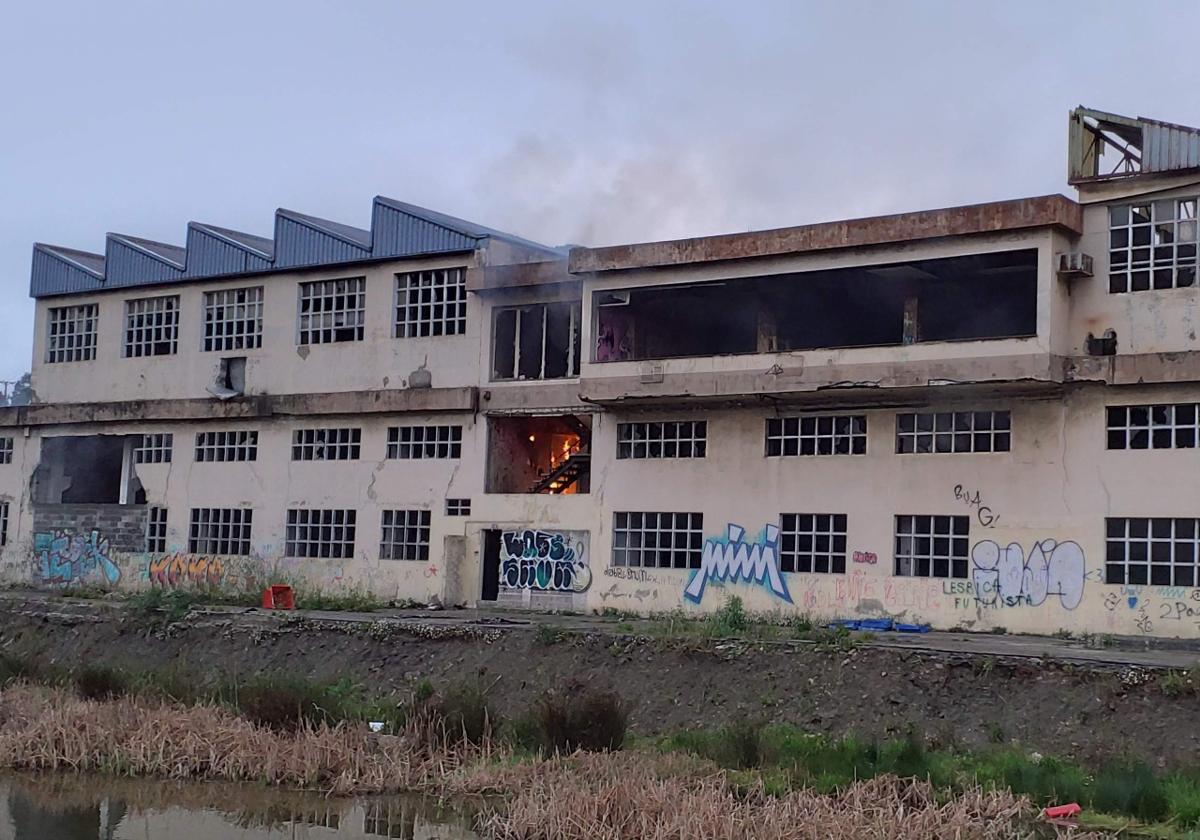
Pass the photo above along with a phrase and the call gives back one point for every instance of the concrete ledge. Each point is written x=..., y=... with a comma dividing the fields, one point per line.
x=1055, y=211
x=262, y=406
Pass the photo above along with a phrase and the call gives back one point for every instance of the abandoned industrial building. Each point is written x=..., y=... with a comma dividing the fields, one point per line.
x=978, y=417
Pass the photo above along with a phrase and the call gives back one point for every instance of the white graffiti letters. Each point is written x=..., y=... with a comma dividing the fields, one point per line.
x=734, y=560
x=1006, y=577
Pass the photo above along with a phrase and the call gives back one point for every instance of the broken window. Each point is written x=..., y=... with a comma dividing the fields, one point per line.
x=326, y=444
x=539, y=454
x=658, y=540
x=230, y=380
x=1156, y=551
x=227, y=446
x=224, y=531
x=458, y=507
x=1167, y=426
x=844, y=434
x=156, y=530
x=71, y=334
x=332, y=311
x=320, y=533
x=152, y=326
x=405, y=535
x=983, y=296
x=812, y=542
x=539, y=341
x=233, y=319
x=1153, y=245
x=669, y=439
x=932, y=546
x=89, y=469
x=409, y=442
x=153, y=448
x=954, y=431
x=6, y=450
x=431, y=303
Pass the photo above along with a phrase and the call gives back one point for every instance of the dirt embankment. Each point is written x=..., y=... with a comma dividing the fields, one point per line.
x=1078, y=711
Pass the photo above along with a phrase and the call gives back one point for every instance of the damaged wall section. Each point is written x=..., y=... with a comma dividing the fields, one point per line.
x=982, y=296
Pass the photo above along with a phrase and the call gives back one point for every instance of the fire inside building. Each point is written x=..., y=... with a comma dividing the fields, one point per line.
x=977, y=417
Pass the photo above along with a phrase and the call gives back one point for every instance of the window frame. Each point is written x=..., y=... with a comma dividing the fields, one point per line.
x=444, y=326
x=458, y=507
x=957, y=533
x=995, y=433
x=420, y=449
x=353, y=286
x=831, y=527
x=794, y=434
x=156, y=529
x=351, y=446
x=154, y=448
x=320, y=548
x=80, y=343
x=575, y=338
x=1169, y=429
x=1130, y=222
x=688, y=556
x=233, y=339
x=637, y=433
x=133, y=337
x=1155, y=531
x=233, y=528
x=225, y=446
x=397, y=526
x=7, y=448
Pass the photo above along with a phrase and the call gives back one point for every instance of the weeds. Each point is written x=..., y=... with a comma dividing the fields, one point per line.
x=730, y=620
x=464, y=714
x=547, y=634
x=1131, y=788
x=101, y=682
x=578, y=717
x=1180, y=683
x=349, y=600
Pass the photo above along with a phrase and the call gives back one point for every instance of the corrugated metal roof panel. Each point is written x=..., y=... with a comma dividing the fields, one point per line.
x=305, y=240
x=210, y=253
x=300, y=240
x=58, y=270
x=1167, y=147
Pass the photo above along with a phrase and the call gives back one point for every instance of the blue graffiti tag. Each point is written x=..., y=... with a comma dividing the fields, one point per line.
x=730, y=560
x=65, y=557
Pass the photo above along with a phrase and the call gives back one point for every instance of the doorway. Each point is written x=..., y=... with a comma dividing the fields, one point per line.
x=491, y=565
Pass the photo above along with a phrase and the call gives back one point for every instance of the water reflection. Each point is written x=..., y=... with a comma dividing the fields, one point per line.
x=65, y=807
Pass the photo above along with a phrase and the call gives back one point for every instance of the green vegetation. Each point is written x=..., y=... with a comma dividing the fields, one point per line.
x=578, y=717
x=348, y=600
x=547, y=634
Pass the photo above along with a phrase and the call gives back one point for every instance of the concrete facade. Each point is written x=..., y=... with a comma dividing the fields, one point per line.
x=1010, y=326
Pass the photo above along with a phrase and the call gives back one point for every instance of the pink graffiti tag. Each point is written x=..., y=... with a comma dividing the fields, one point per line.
x=867, y=557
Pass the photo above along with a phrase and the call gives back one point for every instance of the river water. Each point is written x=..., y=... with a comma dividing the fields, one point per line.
x=67, y=807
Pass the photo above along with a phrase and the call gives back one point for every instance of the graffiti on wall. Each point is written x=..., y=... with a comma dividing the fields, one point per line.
x=730, y=559
x=546, y=561
x=870, y=558
x=1007, y=577
x=975, y=501
x=63, y=557
x=175, y=571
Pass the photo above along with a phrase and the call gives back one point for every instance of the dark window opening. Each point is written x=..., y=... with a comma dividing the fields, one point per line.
x=539, y=454
x=540, y=341
x=83, y=470
x=984, y=296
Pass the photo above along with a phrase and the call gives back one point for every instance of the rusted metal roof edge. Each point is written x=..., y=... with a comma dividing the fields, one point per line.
x=1055, y=211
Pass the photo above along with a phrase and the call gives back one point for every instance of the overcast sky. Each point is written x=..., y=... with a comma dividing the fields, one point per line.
x=565, y=122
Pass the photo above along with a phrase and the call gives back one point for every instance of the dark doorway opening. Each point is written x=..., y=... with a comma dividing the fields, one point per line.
x=491, y=565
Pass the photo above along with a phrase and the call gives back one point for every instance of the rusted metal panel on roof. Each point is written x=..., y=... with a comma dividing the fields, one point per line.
x=1055, y=211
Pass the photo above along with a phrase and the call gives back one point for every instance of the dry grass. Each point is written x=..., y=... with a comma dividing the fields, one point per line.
x=597, y=796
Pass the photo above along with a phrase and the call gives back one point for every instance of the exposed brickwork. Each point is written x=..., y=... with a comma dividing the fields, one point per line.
x=123, y=525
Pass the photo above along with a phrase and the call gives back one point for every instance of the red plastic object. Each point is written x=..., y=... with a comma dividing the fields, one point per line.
x=1059, y=811
x=279, y=597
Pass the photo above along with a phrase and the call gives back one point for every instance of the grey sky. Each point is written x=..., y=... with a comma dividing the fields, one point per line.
x=592, y=123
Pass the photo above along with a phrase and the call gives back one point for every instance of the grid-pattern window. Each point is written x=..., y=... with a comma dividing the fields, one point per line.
x=153, y=448
x=156, y=530
x=1168, y=426
x=339, y=444
x=405, y=535
x=932, y=546
x=332, y=310
x=1158, y=551
x=152, y=326
x=6, y=450
x=670, y=439
x=812, y=542
x=841, y=434
x=3, y=523
x=220, y=531
x=71, y=334
x=233, y=319
x=954, y=431
x=431, y=303
x=458, y=507
x=322, y=533
x=227, y=446
x=424, y=442
x=1152, y=245
x=658, y=540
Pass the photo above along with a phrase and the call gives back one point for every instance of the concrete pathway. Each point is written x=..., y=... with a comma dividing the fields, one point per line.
x=1120, y=650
